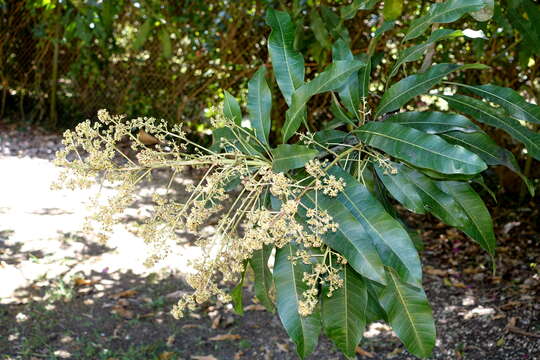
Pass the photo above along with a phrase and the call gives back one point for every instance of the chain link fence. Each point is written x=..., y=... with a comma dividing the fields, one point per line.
x=144, y=82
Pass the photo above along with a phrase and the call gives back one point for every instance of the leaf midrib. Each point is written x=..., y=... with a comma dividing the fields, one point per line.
x=418, y=146
x=409, y=315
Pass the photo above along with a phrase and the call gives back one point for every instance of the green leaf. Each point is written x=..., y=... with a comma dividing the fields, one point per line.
x=348, y=12
x=494, y=117
x=420, y=149
x=319, y=29
x=446, y=12
x=231, y=109
x=303, y=330
x=416, y=52
x=288, y=157
x=434, y=122
x=350, y=91
x=339, y=112
x=143, y=34
x=237, y=293
x=404, y=90
x=165, y=39
x=263, y=276
x=402, y=189
x=409, y=314
x=332, y=78
x=288, y=63
x=479, y=225
x=392, y=9
x=374, y=310
x=351, y=239
x=435, y=201
x=364, y=76
x=516, y=106
x=234, y=139
x=343, y=314
x=484, y=146
x=259, y=105
x=391, y=240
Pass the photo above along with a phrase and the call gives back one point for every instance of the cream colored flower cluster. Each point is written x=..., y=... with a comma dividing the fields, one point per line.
x=267, y=207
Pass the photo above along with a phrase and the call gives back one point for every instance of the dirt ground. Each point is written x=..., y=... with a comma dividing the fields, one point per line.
x=64, y=295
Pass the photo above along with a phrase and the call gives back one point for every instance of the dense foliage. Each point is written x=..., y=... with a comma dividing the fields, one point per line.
x=320, y=203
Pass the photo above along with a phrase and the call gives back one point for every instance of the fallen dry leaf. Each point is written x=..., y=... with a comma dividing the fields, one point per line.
x=437, y=272
x=238, y=355
x=83, y=282
x=225, y=337
x=121, y=311
x=166, y=355
x=363, y=352
x=215, y=322
x=283, y=347
x=254, y=307
x=204, y=357
x=190, y=326
x=170, y=340
x=124, y=294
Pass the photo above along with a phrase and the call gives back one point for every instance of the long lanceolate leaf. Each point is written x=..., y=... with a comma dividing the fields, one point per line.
x=291, y=156
x=350, y=239
x=332, y=78
x=404, y=90
x=288, y=64
x=416, y=52
x=417, y=185
x=344, y=313
x=433, y=122
x=350, y=91
x=445, y=12
x=479, y=225
x=484, y=146
x=516, y=106
x=420, y=149
x=303, y=330
x=263, y=275
x=495, y=117
x=409, y=314
x=231, y=109
x=391, y=240
x=260, y=105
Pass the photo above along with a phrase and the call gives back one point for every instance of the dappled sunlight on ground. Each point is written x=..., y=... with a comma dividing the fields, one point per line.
x=41, y=230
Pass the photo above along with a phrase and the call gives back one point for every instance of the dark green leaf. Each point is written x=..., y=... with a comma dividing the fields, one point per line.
x=288, y=63
x=445, y=12
x=343, y=314
x=404, y=90
x=351, y=240
x=332, y=78
x=416, y=52
x=348, y=12
x=350, y=91
x=434, y=122
x=510, y=100
x=260, y=105
x=479, y=225
x=391, y=240
x=165, y=39
x=420, y=149
x=288, y=157
x=435, y=201
x=409, y=314
x=288, y=279
x=402, y=189
x=319, y=29
x=231, y=108
x=142, y=34
x=494, y=117
x=238, y=292
x=488, y=150
x=263, y=276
